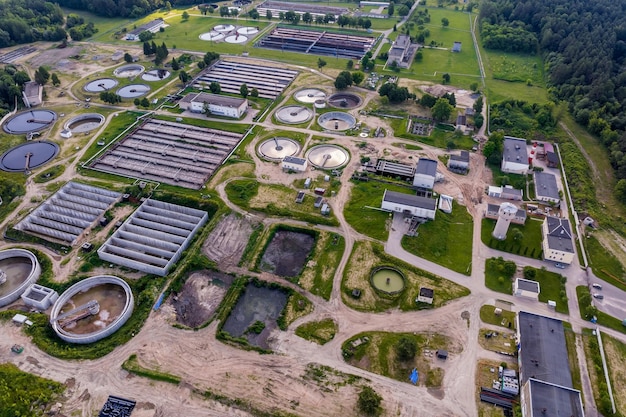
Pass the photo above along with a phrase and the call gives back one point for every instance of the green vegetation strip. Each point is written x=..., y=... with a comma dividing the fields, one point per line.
x=605, y=265
x=320, y=332
x=588, y=311
x=504, y=319
x=132, y=365
x=433, y=241
x=527, y=244
x=594, y=364
x=25, y=395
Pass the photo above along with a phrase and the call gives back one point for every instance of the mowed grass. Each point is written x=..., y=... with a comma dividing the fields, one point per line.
x=552, y=287
x=362, y=210
x=529, y=245
x=504, y=319
x=605, y=265
x=106, y=26
x=433, y=241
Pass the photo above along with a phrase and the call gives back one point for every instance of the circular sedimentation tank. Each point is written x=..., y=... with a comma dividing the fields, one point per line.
x=309, y=95
x=29, y=121
x=336, y=120
x=387, y=279
x=92, y=309
x=293, y=114
x=212, y=36
x=133, y=91
x=248, y=30
x=85, y=122
x=19, y=269
x=155, y=75
x=345, y=100
x=100, y=85
x=327, y=156
x=28, y=156
x=275, y=149
x=223, y=28
x=127, y=71
x=236, y=38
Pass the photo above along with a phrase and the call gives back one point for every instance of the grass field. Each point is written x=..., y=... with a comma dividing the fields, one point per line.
x=433, y=240
x=487, y=315
x=529, y=245
x=498, y=274
x=320, y=332
x=552, y=287
x=584, y=300
x=605, y=265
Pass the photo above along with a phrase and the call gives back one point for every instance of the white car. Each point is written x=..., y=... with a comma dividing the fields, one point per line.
x=596, y=286
x=561, y=266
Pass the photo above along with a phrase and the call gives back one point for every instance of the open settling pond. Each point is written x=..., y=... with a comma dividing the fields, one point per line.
x=256, y=304
x=287, y=253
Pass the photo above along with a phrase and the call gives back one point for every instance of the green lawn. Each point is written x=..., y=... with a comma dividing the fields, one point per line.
x=317, y=276
x=106, y=26
x=433, y=241
x=529, y=245
x=504, y=319
x=605, y=265
x=584, y=304
x=362, y=212
x=438, y=138
x=28, y=393
x=552, y=287
x=498, y=274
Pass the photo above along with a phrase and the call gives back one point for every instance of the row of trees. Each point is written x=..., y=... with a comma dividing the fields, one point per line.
x=26, y=21
x=160, y=52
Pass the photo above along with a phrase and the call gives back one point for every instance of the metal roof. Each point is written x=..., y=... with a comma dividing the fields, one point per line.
x=294, y=160
x=463, y=157
x=515, y=150
x=545, y=185
x=410, y=200
x=215, y=99
x=554, y=400
x=528, y=285
x=394, y=168
x=426, y=167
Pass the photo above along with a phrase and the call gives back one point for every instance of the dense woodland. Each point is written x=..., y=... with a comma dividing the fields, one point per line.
x=583, y=44
x=126, y=8
x=24, y=21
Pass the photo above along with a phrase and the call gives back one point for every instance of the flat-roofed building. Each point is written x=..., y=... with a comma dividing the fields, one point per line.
x=492, y=213
x=459, y=162
x=514, y=156
x=425, y=173
x=546, y=188
x=293, y=163
x=395, y=169
x=414, y=205
x=152, y=26
x=214, y=104
x=526, y=288
x=32, y=94
x=506, y=192
x=557, y=243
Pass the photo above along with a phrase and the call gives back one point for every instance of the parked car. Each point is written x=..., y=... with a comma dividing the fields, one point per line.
x=596, y=286
x=598, y=296
x=560, y=266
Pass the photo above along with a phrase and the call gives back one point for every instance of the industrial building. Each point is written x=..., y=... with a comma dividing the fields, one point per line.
x=153, y=26
x=154, y=237
x=545, y=377
x=395, y=169
x=546, y=188
x=402, y=51
x=492, y=213
x=214, y=104
x=506, y=192
x=459, y=163
x=417, y=206
x=32, y=94
x=425, y=173
x=514, y=156
x=293, y=163
x=526, y=288
x=557, y=243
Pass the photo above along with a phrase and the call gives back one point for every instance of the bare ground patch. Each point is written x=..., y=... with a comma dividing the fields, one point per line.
x=228, y=240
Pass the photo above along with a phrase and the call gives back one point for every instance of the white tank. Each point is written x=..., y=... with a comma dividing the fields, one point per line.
x=506, y=213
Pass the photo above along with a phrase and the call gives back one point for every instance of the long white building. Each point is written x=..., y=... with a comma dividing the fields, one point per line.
x=411, y=204
x=214, y=104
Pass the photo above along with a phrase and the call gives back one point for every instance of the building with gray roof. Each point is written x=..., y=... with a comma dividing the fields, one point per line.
x=557, y=243
x=214, y=104
x=402, y=51
x=410, y=204
x=425, y=173
x=546, y=188
x=514, y=156
x=544, y=368
x=395, y=169
x=32, y=94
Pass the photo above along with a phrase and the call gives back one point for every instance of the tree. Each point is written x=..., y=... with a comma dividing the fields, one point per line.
x=446, y=78
x=210, y=57
x=185, y=15
x=55, y=80
x=268, y=15
x=620, y=190
x=307, y=18
x=147, y=49
x=390, y=11
x=357, y=77
x=343, y=80
x=529, y=272
x=321, y=63
x=110, y=97
x=254, y=92
x=243, y=90
x=350, y=64
x=184, y=77
x=146, y=35
x=215, y=87
x=369, y=401
x=445, y=22
x=254, y=14
x=394, y=66
x=175, y=64
x=145, y=103
x=403, y=10
x=224, y=11
x=42, y=76
x=478, y=105
x=474, y=87
x=406, y=348
x=517, y=234
x=442, y=110
x=428, y=101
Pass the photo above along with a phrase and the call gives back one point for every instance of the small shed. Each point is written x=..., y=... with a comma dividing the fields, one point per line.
x=318, y=202
x=307, y=183
x=300, y=197
x=319, y=191
x=325, y=209
x=426, y=295
x=442, y=354
x=19, y=319
x=526, y=288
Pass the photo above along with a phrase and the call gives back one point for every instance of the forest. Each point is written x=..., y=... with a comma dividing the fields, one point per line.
x=25, y=21
x=583, y=44
x=11, y=83
x=126, y=8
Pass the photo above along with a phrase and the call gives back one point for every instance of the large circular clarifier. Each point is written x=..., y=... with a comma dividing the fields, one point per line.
x=155, y=75
x=92, y=309
x=19, y=269
x=236, y=38
x=294, y=114
x=133, y=91
x=344, y=100
x=100, y=85
x=127, y=71
x=309, y=95
x=28, y=156
x=327, y=156
x=29, y=121
x=85, y=122
x=275, y=149
x=223, y=28
x=336, y=120
x=212, y=36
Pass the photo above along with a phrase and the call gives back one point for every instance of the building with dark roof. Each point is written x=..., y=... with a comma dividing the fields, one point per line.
x=409, y=204
x=459, y=162
x=557, y=243
x=214, y=104
x=546, y=188
x=426, y=295
x=506, y=192
x=526, y=288
x=402, y=51
x=395, y=169
x=425, y=173
x=293, y=163
x=514, y=156
x=544, y=369
x=492, y=213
